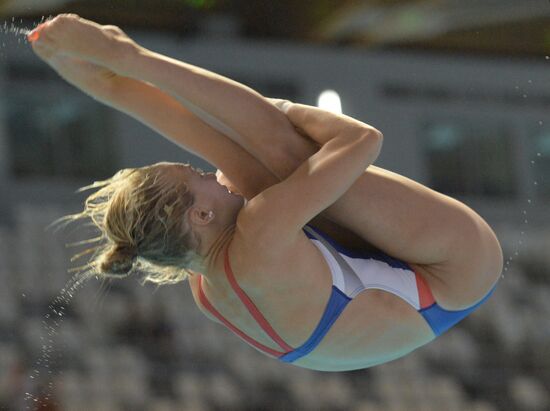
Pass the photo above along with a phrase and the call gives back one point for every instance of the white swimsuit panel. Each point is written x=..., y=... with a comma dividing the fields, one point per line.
x=352, y=275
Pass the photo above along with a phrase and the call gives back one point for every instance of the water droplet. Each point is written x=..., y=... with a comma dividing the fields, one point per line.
x=524, y=212
x=525, y=221
x=540, y=122
x=529, y=201
x=535, y=183
x=525, y=96
x=522, y=233
x=529, y=81
x=547, y=57
x=532, y=161
x=539, y=154
x=516, y=253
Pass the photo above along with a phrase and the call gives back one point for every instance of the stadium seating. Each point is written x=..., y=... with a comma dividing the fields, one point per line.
x=123, y=346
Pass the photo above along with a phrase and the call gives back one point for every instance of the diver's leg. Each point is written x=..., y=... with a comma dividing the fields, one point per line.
x=454, y=247
x=440, y=237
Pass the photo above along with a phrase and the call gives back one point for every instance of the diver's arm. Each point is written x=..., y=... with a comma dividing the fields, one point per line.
x=230, y=107
x=318, y=124
x=165, y=115
x=279, y=213
x=234, y=109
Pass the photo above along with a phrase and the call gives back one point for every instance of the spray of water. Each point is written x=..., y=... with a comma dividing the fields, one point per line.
x=52, y=322
x=16, y=28
x=524, y=212
x=529, y=201
x=41, y=387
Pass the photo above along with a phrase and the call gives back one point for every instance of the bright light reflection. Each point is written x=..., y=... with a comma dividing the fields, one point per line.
x=330, y=100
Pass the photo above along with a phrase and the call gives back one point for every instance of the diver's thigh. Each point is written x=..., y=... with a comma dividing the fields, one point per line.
x=443, y=238
x=399, y=216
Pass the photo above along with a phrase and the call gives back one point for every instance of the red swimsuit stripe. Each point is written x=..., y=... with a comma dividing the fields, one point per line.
x=258, y=316
x=425, y=295
x=204, y=301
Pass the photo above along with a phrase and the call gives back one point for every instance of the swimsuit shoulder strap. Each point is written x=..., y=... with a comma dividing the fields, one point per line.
x=204, y=301
x=251, y=307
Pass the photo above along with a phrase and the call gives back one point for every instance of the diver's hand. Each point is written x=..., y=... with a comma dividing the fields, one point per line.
x=69, y=34
x=284, y=106
x=281, y=104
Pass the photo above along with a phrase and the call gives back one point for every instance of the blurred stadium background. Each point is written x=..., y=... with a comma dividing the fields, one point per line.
x=461, y=92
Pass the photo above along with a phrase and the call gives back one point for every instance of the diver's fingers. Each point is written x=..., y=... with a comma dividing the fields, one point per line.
x=281, y=104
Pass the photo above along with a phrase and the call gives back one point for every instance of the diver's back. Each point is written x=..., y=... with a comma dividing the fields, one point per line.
x=291, y=288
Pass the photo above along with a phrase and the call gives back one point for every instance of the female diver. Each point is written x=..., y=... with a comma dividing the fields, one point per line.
x=323, y=260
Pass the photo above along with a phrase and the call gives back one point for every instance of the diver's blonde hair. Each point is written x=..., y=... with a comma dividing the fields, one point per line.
x=141, y=215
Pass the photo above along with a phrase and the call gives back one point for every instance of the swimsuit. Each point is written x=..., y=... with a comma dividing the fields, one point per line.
x=352, y=272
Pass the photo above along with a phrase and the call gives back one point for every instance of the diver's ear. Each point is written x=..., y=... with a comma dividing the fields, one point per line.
x=200, y=216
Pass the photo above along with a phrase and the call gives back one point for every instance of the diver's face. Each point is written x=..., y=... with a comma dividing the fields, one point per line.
x=205, y=188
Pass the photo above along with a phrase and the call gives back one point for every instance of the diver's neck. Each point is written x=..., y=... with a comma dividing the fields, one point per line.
x=213, y=258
